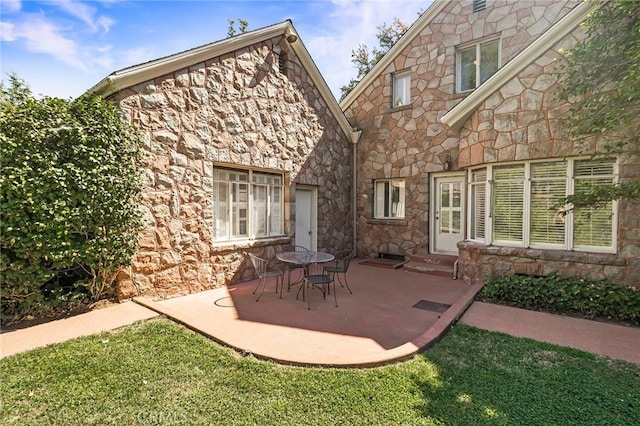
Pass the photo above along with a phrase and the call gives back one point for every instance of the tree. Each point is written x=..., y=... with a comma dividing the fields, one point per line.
x=71, y=171
x=364, y=60
x=602, y=82
x=242, y=27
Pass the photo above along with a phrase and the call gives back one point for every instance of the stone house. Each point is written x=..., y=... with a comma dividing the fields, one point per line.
x=462, y=151
x=248, y=151
x=451, y=145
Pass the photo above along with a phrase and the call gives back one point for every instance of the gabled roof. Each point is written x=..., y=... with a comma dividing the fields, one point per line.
x=414, y=30
x=459, y=114
x=138, y=74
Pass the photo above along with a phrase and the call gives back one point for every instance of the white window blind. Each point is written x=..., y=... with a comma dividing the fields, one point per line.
x=508, y=201
x=246, y=204
x=548, y=188
x=478, y=193
x=593, y=226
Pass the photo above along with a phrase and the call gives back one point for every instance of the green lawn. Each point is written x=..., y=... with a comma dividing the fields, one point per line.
x=157, y=372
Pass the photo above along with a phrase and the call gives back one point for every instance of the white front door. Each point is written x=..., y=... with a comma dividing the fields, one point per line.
x=306, y=222
x=447, y=214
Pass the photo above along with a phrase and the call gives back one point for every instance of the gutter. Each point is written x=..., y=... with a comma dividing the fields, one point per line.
x=355, y=138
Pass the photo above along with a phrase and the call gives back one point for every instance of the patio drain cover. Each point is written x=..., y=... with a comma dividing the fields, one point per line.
x=428, y=305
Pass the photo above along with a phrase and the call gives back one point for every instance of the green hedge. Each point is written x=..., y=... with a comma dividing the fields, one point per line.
x=561, y=294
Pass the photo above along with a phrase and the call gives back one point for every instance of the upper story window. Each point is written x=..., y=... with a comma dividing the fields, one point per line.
x=517, y=205
x=401, y=89
x=389, y=199
x=247, y=204
x=476, y=63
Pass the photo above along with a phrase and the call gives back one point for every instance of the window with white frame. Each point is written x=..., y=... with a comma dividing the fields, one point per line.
x=523, y=200
x=476, y=63
x=389, y=198
x=247, y=204
x=401, y=89
x=478, y=201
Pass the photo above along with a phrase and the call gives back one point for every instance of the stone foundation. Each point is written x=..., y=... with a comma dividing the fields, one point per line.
x=478, y=262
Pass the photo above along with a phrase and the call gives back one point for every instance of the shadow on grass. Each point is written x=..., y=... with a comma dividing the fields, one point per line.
x=492, y=378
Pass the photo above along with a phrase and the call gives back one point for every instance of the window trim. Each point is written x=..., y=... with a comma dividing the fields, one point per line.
x=477, y=44
x=569, y=237
x=402, y=202
x=406, y=89
x=251, y=206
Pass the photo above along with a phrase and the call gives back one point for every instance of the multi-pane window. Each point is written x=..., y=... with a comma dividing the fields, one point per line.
x=476, y=63
x=246, y=204
x=401, y=89
x=524, y=205
x=389, y=198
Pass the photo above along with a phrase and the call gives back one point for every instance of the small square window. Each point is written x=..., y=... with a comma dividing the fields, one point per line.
x=401, y=89
x=389, y=198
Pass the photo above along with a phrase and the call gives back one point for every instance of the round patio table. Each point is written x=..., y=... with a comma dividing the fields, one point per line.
x=306, y=259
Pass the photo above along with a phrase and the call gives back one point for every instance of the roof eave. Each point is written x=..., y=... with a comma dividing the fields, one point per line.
x=140, y=73
x=308, y=64
x=459, y=114
x=423, y=21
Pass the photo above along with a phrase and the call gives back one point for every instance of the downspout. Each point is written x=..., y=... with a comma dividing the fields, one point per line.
x=355, y=137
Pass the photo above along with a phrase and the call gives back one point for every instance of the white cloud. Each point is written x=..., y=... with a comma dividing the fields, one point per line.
x=85, y=13
x=7, y=31
x=10, y=6
x=42, y=36
x=354, y=22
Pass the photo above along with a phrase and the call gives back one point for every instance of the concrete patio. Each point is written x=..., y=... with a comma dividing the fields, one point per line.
x=377, y=324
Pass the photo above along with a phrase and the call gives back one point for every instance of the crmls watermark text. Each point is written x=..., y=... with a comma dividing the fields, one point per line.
x=161, y=417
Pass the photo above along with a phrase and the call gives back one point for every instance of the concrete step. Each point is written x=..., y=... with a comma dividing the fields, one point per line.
x=434, y=259
x=433, y=264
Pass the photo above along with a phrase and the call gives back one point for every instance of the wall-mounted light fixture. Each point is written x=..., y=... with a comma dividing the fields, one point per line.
x=291, y=37
x=447, y=162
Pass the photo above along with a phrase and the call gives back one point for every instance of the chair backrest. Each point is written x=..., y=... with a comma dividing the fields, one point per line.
x=300, y=248
x=347, y=259
x=259, y=264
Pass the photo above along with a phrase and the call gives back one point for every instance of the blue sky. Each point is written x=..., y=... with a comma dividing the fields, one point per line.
x=63, y=47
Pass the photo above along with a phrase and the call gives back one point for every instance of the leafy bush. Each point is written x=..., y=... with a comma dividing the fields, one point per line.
x=70, y=175
x=562, y=294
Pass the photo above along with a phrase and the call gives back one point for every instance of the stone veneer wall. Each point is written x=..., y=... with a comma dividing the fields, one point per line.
x=233, y=110
x=479, y=262
x=522, y=121
x=410, y=142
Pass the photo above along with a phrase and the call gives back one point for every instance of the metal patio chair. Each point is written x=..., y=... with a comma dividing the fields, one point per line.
x=260, y=265
x=292, y=266
x=340, y=267
x=316, y=277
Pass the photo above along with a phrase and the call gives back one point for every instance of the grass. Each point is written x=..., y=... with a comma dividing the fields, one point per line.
x=157, y=372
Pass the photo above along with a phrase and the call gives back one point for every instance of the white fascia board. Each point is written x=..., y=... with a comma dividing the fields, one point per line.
x=137, y=74
x=423, y=21
x=459, y=114
x=309, y=65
